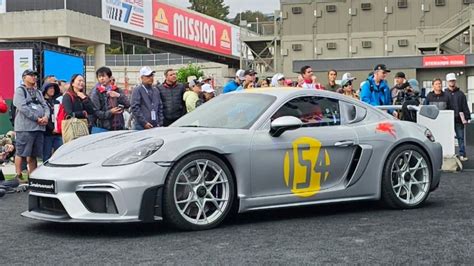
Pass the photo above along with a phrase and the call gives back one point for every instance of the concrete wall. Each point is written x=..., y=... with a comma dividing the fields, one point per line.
x=52, y=24
x=220, y=72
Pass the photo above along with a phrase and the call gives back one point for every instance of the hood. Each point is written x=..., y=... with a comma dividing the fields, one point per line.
x=47, y=85
x=98, y=147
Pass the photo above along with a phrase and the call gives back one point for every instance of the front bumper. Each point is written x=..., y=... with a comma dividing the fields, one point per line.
x=96, y=194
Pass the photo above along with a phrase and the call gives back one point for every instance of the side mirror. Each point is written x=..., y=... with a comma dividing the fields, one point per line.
x=430, y=111
x=283, y=124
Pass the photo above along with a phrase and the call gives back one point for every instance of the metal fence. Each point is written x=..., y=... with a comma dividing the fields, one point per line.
x=146, y=60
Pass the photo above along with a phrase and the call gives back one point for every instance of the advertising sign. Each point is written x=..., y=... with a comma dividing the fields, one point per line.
x=134, y=15
x=236, y=45
x=444, y=61
x=3, y=6
x=191, y=29
x=14, y=62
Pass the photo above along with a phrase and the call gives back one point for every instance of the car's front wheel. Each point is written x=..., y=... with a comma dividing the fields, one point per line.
x=198, y=192
x=406, y=178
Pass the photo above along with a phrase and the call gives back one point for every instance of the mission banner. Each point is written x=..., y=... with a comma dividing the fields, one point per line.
x=191, y=29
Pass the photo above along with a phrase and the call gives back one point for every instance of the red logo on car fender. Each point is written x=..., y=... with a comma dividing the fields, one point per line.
x=386, y=127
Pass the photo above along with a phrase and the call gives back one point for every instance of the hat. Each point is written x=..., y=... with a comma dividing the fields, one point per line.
x=381, y=67
x=414, y=85
x=345, y=81
x=348, y=76
x=400, y=75
x=206, y=78
x=146, y=71
x=240, y=74
x=207, y=88
x=46, y=87
x=194, y=82
x=249, y=72
x=29, y=72
x=450, y=76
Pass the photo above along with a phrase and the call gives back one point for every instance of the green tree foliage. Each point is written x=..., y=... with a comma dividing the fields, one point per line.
x=187, y=71
x=213, y=8
x=250, y=16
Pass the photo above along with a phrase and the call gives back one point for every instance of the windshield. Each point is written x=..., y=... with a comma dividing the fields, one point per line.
x=233, y=110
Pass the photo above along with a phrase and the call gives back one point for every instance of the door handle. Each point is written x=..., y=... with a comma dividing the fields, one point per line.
x=344, y=143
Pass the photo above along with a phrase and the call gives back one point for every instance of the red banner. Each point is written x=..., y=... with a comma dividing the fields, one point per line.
x=444, y=61
x=190, y=29
x=7, y=74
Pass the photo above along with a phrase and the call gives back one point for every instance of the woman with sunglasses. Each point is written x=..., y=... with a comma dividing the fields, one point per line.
x=348, y=89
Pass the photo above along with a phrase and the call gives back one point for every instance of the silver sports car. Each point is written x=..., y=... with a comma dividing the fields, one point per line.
x=243, y=151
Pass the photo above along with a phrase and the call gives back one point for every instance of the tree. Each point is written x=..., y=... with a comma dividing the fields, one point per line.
x=213, y=8
x=249, y=16
x=188, y=71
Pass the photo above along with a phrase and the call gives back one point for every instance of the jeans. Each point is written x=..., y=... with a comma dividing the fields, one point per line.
x=459, y=130
x=51, y=143
x=137, y=126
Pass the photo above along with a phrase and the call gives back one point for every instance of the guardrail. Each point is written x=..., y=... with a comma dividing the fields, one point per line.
x=146, y=60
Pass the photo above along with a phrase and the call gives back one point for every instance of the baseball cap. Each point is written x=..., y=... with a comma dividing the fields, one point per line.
x=194, y=82
x=240, y=74
x=146, y=71
x=348, y=76
x=207, y=88
x=414, y=85
x=400, y=75
x=344, y=82
x=450, y=76
x=249, y=72
x=29, y=72
x=381, y=67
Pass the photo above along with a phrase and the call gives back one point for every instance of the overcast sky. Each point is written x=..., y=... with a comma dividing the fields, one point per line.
x=236, y=6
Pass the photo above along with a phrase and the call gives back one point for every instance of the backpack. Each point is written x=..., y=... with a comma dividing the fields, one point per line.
x=13, y=110
x=62, y=115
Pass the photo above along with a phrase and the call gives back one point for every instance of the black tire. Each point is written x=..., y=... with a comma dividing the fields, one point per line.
x=172, y=214
x=391, y=181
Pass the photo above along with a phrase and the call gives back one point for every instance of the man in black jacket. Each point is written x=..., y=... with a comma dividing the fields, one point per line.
x=172, y=98
x=458, y=103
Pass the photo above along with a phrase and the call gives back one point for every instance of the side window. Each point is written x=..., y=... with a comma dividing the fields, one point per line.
x=313, y=111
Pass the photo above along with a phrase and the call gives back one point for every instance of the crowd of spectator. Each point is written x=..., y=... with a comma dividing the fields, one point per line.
x=37, y=129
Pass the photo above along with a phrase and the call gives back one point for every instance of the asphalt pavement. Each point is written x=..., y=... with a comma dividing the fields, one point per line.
x=439, y=233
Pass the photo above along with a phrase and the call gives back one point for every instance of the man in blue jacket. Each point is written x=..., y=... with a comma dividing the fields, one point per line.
x=236, y=82
x=376, y=91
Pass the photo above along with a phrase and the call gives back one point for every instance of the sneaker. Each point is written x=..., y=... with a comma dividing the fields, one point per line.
x=463, y=158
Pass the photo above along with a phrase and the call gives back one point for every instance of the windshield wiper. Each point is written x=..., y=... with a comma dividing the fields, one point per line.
x=189, y=126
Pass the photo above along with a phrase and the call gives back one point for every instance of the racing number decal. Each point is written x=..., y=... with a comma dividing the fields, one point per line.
x=309, y=164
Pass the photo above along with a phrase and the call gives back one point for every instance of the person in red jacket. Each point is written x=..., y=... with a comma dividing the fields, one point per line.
x=3, y=105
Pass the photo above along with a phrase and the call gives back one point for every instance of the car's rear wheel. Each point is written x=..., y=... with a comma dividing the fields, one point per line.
x=198, y=192
x=406, y=178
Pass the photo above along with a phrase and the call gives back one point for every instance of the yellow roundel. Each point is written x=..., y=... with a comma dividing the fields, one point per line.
x=161, y=16
x=309, y=165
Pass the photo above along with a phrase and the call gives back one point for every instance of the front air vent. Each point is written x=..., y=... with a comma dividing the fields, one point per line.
x=440, y=2
x=97, y=202
x=48, y=164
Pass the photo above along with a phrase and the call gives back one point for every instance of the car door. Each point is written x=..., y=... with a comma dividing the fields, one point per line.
x=305, y=161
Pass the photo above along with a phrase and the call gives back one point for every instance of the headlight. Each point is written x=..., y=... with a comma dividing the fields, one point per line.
x=429, y=135
x=134, y=154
